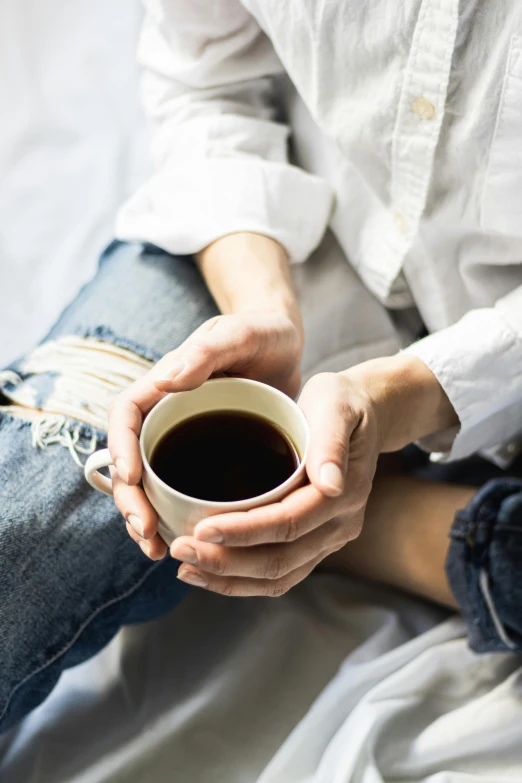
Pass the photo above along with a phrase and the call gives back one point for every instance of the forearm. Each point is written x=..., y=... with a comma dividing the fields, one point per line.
x=249, y=272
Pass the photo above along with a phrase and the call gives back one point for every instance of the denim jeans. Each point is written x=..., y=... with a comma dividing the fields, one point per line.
x=70, y=576
x=484, y=566
x=484, y=560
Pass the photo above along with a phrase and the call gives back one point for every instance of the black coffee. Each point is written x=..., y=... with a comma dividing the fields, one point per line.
x=224, y=456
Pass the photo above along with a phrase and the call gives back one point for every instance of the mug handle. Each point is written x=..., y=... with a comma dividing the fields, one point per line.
x=100, y=459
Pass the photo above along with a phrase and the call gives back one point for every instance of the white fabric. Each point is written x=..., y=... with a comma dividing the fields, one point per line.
x=72, y=147
x=411, y=139
x=211, y=692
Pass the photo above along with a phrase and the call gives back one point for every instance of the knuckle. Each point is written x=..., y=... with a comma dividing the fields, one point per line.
x=225, y=588
x=201, y=351
x=337, y=531
x=343, y=529
x=276, y=567
x=362, y=490
x=245, y=332
x=344, y=408
x=354, y=527
x=353, y=532
x=245, y=536
x=289, y=529
x=357, y=496
x=325, y=378
x=278, y=589
x=319, y=382
x=217, y=565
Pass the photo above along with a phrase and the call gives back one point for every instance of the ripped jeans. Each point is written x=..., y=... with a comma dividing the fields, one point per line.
x=70, y=576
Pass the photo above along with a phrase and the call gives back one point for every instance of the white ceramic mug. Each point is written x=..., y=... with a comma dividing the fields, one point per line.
x=179, y=513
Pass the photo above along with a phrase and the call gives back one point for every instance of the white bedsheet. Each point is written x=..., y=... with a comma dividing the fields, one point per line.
x=211, y=693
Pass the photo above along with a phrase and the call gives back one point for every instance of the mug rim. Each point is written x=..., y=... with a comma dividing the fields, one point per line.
x=230, y=503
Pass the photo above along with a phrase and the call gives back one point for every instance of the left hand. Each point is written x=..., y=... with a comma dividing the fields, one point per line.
x=353, y=416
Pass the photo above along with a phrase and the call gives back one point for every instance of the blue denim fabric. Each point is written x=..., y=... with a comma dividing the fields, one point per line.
x=484, y=566
x=484, y=561
x=70, y=576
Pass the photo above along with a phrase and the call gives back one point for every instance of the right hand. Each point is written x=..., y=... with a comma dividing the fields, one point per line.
x=262, y=345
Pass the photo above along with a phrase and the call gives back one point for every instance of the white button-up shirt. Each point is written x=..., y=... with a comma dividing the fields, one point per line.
x=406, y=121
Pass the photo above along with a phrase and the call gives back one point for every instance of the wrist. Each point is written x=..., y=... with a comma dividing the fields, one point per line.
x=407, y=398
x=249, y=272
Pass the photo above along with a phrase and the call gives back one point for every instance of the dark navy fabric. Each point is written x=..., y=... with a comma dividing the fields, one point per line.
x=486, y=545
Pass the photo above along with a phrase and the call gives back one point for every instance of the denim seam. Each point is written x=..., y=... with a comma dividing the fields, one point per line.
x=468, y=525
x=487, y=597
x=78, y=633
x=484, y=519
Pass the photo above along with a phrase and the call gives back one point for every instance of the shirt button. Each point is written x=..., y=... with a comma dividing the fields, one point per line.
x=423, y=108
x=401, y=223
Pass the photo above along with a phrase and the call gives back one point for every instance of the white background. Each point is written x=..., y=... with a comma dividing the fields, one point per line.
x=72, y=147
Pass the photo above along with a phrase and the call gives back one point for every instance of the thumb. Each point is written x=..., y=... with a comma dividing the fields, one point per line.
x=331, y=423
x=218, y=345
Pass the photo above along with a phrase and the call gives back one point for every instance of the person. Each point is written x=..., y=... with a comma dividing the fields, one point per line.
x=392, y=110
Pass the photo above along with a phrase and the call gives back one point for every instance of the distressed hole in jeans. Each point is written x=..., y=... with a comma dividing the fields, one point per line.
x=68, y=382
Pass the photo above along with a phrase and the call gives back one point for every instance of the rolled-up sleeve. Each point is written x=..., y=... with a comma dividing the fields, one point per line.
x=219, y=151
x=478, y=362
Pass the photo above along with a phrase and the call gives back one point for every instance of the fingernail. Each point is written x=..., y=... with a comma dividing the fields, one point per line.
x=185, y=553
x=192, y=578
x=145, y=547
x=211, y=535
x=123, y=471
x=136, y=524
x=331, y=478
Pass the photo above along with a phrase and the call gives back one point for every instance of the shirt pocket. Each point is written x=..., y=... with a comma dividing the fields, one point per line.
x=501, y=208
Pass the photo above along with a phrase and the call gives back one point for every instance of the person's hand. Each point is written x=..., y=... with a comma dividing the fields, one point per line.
x=265, y=346
x=353, y=416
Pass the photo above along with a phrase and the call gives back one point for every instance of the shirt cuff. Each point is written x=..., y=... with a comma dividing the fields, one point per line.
x=477, y=362
x=185, y=209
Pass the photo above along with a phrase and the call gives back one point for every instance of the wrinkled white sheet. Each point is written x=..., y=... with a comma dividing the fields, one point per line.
x=210, y=693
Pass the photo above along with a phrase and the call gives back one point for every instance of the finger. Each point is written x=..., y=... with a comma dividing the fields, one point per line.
x=155, y=548
x=219, y=344
x=331, y=422
x=125, y=420
x=134, y=506
x=243, y=586
x=294, y=516
x=269, y=561
x=128, y=411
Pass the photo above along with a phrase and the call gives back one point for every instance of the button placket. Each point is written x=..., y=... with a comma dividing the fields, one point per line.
x=421, y=110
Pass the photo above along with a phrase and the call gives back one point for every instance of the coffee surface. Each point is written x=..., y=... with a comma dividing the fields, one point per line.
x=224, y=456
